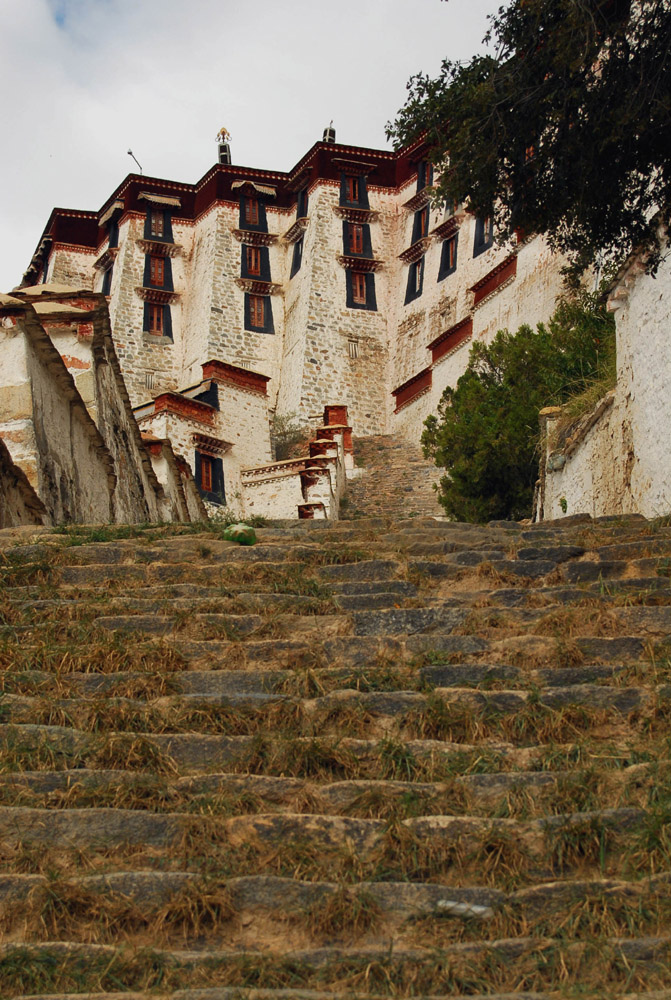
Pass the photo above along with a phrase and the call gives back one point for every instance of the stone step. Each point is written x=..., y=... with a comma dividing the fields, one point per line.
x=515, y=793
x=334, y=965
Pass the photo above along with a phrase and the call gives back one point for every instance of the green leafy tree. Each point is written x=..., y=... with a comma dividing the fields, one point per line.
x=562, y=128
x=486, y=433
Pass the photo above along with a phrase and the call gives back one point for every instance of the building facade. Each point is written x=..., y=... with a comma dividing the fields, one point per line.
x=335, y=283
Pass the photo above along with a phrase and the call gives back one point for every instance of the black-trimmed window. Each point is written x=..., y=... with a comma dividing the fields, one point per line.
x=210, y=478
x=302, y=204
x=484, y=236
x=253, y=259
x=158, y=272
x=353, y=190
x=113, y=234
x=415, y=280
x=253, y=214
x=448, y=257
x=424, y=174
x=360, y=288
x=255, y=263
x=158, y=225
x=355, y=234
x=297, y=258
x=420, y=223
x=356, y=240
x=157, y=320
x=258, y=313
x=107, y=280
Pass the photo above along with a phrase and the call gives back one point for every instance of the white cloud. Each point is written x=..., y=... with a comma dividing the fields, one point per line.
x=82, y=80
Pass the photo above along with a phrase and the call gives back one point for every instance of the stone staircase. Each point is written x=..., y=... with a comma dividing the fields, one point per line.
x=396, y=481
x=357, y=760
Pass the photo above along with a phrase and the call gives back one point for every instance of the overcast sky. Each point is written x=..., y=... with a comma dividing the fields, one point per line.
x=82, y=81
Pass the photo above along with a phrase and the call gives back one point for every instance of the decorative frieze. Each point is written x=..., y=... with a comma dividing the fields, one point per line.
x=362, y=264
x=158, y=249
x=421, y=199
x=106, y=259
x=362, y=216
x=254, y=239
x=256, y=287
x=294, y=233
x=159, y=296
x=417, y=250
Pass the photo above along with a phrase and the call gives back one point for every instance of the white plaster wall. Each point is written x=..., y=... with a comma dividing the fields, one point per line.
x=278, y=496
x=624, y=463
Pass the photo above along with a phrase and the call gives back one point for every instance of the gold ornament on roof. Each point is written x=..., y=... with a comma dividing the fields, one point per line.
x=223, y=135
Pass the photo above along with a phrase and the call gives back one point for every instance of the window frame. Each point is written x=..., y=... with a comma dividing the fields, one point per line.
x=353, y=189
x=257, y=306
x=157, y=271
x=253, y=261
x=206, y=469
x=156, y=319
x=355, y=238
x=251, y=212
x=157, y=223
x=359, y=296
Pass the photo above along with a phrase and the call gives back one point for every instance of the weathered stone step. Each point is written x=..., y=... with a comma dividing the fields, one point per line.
x=524, y=793
x=537, y=841
x=452, y=713
x=241, y=993
x=468, y=962
x=43, y=747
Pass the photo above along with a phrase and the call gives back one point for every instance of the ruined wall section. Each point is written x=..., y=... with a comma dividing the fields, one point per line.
x=19, y=503
x=58, y=446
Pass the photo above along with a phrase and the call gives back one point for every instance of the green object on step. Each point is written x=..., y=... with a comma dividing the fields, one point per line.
x=240, y=533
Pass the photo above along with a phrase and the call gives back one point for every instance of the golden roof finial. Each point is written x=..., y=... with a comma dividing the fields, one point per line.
x=223, y=135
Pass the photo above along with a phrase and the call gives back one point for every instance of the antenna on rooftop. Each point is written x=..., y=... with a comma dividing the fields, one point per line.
x=131, y=153
x=329, y=133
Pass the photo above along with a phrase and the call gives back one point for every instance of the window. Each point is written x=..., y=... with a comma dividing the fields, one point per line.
x=448, y=257
x=155, y=318
x=420, y=224
x=107, y=281
x=252, y=211
x=353, y=348
x=206, y=473
x=359, y=288
x=352, y=188
x=253, y=260
x=424, y=175
x=257, y=312
x=302, y=204
x=156, y=270
x=297, y=257
x=484, y=236
x=157, y=224
x=149, y=380
x=415, y=280
x=355, y=239
x=423, y=223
